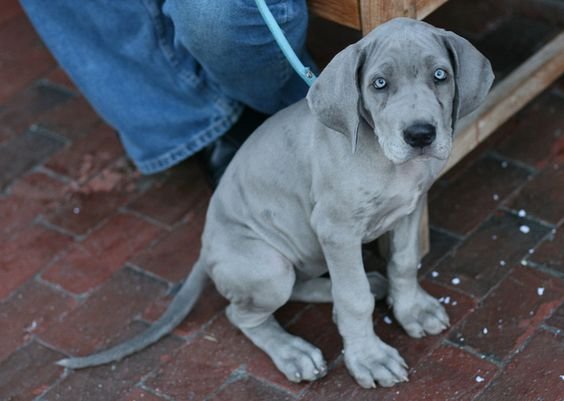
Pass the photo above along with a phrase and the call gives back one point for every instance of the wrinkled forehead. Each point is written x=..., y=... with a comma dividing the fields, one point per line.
x=407, y=51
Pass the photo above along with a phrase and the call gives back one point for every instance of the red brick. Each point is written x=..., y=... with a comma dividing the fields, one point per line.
x=534, y=135
x=23, y=109
x=88, y=155
x=447, y=374
x=250, y=389
x=10, y=9
x=30, y=311
x=465, y=203
x=199, y=368
x=543, y=196
x=206, y=363
x=114, y=381
x=209, y=305
x=88, y=205
x=176, y=252
x=24, y=255
x=487, y=255
x=534, y=374
x=169, y=201
x=105, y=314
x=29, y=196
x=140, y=395
x=90, y=263
x=23, y=57
x=415, y=350
x=24, y=152
x=511, y=313
x=72, y=119
x=550, y=253
x=338, y=385
x=28, y=373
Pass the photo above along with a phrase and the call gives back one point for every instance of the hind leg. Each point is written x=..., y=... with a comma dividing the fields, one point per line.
x=257, y=284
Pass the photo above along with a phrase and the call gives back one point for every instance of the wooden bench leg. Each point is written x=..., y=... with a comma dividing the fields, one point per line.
x=424, y=240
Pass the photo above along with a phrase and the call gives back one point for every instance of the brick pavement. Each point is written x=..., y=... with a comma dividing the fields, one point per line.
x=91, y=252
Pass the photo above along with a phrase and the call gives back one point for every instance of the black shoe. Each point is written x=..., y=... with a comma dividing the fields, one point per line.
x=216, y=156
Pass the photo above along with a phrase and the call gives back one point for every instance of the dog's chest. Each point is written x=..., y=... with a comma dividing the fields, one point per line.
x=379, y=209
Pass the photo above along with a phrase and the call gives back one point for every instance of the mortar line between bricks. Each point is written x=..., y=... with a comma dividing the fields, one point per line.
x=528, y=217
x=500, y=371
x=59, y=380
x=126, y=210
x=459, y=237
x=453, y=288
x=542, y=268
x=551, y=329
x=37, y=338
x=170, y=285
x=494, y=154
x=275, y=386
x=80, y=298
x=39, y=130
x=47, y=171
x=154, y=392
x=474, y=352
x=40, y=220
x=488, y=216
x=237, y=374
x=50, y=84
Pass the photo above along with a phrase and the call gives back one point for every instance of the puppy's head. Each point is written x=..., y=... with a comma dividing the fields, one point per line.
x=407, y=80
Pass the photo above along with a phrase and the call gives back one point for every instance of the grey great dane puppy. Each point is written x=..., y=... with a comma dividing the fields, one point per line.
x=320, y=178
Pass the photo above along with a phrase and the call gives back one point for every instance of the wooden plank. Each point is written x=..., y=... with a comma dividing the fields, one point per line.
x=424, y=234
x=373, y=12
x=509, y=96
x=426, y=7
x=376, y=12
x=344, y=12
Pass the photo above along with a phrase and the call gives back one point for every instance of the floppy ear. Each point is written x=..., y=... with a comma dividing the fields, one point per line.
x=335, y=95
x=472, y=72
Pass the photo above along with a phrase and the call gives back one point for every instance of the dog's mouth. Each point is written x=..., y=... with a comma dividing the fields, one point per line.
x=430, y=152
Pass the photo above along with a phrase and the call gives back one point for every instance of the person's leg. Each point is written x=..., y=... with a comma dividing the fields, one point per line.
x=238, y=53
x=125, y=59
x=240, y=57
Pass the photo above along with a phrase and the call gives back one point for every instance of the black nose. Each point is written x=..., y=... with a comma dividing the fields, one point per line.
x=419, y=135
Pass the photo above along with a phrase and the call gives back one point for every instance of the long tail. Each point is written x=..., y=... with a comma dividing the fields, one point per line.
x=179, y=308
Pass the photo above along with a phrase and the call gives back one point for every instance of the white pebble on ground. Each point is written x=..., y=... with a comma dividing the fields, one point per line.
x=524, y=229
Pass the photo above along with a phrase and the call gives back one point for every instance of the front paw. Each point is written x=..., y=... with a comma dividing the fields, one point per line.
x=375, y=361
x=419, y=313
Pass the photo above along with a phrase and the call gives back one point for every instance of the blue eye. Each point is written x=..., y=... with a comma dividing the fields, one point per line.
x=440, y=74
x=379, y=83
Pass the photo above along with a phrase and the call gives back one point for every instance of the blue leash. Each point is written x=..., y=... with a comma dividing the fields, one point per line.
x=303, y=71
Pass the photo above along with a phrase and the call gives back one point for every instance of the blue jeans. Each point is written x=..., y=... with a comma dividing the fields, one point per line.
x=173, y=75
